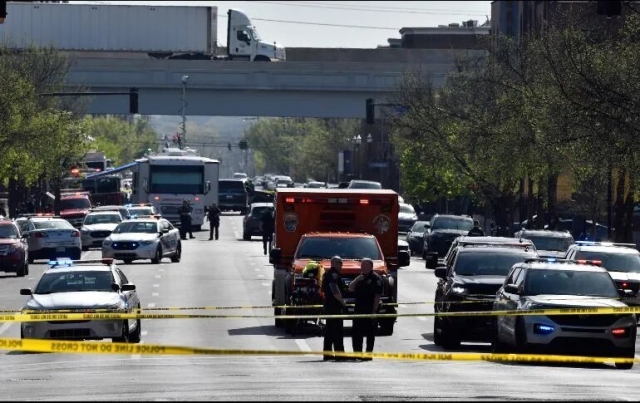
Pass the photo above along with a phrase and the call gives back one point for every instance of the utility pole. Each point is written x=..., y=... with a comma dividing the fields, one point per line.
x=181, y=143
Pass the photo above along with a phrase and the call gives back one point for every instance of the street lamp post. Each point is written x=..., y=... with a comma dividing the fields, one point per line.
x=185, y=78
x=357, y=140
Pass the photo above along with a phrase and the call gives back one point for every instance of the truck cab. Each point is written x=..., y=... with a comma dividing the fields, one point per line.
x=244, y=43
x=317, y=224
x=74, y=207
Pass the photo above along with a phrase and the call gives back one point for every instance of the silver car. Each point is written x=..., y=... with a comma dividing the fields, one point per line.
x=84, y=286
x=143, y=238
x=555, y=284
x=97, y=226
x=51, y=237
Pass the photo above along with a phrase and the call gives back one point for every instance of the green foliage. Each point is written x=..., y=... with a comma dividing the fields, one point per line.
x=122, y=141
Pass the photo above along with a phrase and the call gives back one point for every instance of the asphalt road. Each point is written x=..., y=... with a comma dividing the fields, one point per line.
x=234, y=272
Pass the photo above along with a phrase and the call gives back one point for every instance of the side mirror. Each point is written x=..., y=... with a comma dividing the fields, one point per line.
x=275, y=255
x=25, y=291
x=115, y=287
x=440, y=272
x=128, y=287
x=432, y=261
x=404, y=259
x=511, y=289
x=164, y=231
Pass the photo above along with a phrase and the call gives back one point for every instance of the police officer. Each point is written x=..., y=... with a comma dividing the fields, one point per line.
x=267, y=225
x=476, y=230
x=213, y=215
x=185, y=220
x=333, y=305
x=367, y=288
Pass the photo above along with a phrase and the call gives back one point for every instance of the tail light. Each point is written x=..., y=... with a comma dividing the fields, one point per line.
x=619, y=332
x=40, y=235
x=75, y=234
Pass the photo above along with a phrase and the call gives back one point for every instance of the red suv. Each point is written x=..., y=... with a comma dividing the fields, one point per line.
x=13, y=250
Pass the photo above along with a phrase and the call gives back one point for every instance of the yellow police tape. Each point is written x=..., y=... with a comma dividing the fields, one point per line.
x=288, y=307
x=84, y=347
x=115, y=315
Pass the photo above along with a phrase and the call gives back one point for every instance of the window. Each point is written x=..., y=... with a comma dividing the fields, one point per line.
x=346, y=248
x=122, y=276
x=463, y=224
x=622, y=262
x=514, y=275
x=243, y=36
x=75, y=204
x=488, y=264
x=549, y=243
x=52, y=224
x=231, y=187
x=257, y=212
x=8, y=232
x=420, y=227
x=141, y=211
x=569, y=282
x=52, y=282
x=136, y=227
x=177, y=179
x=93, y=219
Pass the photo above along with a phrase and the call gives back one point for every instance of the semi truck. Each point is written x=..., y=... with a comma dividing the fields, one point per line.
x=317, y=224
x=173, y=32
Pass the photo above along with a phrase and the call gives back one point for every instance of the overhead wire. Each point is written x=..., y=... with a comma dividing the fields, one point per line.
x=375, y=9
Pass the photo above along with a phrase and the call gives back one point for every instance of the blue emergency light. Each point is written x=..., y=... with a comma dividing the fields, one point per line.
x=63, y=261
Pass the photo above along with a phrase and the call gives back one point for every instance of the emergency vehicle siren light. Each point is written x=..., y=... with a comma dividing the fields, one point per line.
x=65, y=261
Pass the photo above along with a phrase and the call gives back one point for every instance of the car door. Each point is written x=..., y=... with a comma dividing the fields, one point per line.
x=130, y=297
x=172, y=236
x=506, y=301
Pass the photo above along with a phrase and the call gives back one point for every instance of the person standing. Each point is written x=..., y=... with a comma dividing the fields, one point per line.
x=213, y=215
x=476, y=230
x=334, y=304
x=185, y=220
x=367, y=288
x=267, y=226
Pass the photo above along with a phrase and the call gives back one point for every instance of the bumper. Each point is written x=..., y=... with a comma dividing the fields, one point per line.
x=141, y=252
x=472, y=328
x=48, y=253
x=88, y=241
x=580, y=339
x=73, y=330
x=11, y=263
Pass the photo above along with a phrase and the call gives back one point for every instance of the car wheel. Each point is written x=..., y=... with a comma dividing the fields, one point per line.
x=178, y=255
x=158, y=256
x=31, y=260
x=521, y=337
x=85, y=248
x=448, y=339
x=128, y=261
x=125, y=334
x=246, y=237
x=278, y=322
x=497, y=346
x=136, y=336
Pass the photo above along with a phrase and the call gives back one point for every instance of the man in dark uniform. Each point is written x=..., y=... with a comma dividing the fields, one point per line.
x=368, y=288
x=476, y=230
x=267, y=225
x=333, y=305
x=213, y=215
x=185, y=220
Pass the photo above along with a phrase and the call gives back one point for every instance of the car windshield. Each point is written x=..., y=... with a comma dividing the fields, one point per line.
x=52, y=224
x=346, y=248
x=8, y=232
x=365, y=185
x=407, y=209
x=461, y=224
x=139, y=211
x=488, y=264
x=93, y=219
x=75, y=204
x=145, y=227
x=231, y=187
x=75, y=281
x=623, y=262
x=569, y=282
x=556, y=244
x=257, y=212
x=420, y=227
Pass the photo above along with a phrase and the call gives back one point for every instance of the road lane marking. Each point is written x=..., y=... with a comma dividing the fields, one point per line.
x=84, y=255
x=252, y=263
x=156, y=285
x=158, y=276
x=422, y=318
x=151, y=305
x=155, y=294
x=160, y=269
x=256, y=269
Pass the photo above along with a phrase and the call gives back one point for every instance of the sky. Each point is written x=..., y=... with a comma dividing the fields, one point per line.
x=348, y=24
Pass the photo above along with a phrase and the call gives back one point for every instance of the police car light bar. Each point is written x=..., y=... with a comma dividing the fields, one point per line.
x=68, y=262
x=555, y=260
x=593, y=243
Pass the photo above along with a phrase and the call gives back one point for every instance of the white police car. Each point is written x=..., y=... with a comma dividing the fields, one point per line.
x=143, y=238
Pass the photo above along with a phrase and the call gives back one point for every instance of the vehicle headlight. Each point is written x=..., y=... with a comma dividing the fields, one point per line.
x=33, y=306
x=458, y=290
x=147, y=243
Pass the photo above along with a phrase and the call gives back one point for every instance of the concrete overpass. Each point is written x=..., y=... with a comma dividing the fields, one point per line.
x=230, y=88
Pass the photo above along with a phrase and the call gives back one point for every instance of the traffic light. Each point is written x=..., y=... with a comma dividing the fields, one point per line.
x=243, y=145
x=371, y=111
x=229, y=146
x=3, y=10
x=610, y=8
x=133, y=101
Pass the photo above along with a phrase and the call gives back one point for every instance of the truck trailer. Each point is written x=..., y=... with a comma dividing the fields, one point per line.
x=164, y=32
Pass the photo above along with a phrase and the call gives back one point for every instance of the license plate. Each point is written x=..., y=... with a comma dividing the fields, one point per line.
x=229, y=196
x=60, y=248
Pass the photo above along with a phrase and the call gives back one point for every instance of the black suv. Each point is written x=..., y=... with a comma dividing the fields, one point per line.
x=233, y=196
x=548, y=243
x=468, y=281
x=444, y=229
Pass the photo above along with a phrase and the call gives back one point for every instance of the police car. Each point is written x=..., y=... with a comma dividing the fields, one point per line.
x=50, y=237
x=141, y=210
x=97, y=226
x=143, y=238
x=82, y=286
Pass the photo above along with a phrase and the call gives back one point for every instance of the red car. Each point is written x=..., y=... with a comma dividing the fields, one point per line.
x=13, y=250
